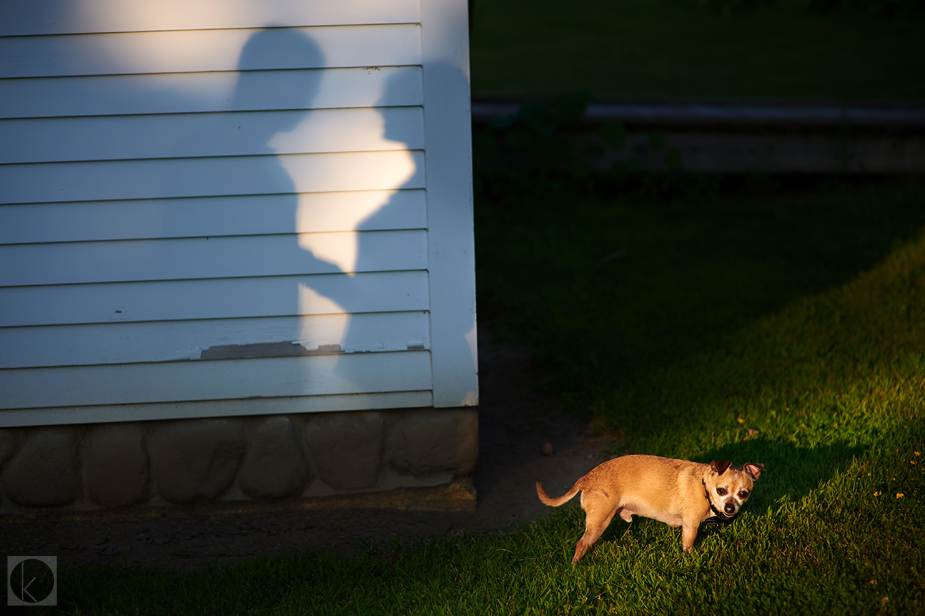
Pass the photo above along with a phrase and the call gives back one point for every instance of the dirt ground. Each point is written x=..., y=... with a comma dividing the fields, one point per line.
x=515, y=422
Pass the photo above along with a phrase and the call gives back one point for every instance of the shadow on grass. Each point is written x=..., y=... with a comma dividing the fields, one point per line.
x=608, y=292
x=791, y=472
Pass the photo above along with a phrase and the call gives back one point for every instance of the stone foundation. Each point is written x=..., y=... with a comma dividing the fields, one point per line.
x=196, y=462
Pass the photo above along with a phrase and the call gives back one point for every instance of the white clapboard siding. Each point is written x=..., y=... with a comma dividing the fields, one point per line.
x=194, y=51
x=201, y=134
x=214, y=299
x=217, y=257
x=122, y=343
x=206, y=92
x=114, y=413
x=375, y=210
x=34, y=17
x=233, y=207
x=215, y=380
x=201, y=177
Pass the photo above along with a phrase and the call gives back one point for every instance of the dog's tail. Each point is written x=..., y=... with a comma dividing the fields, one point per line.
x=555, y=502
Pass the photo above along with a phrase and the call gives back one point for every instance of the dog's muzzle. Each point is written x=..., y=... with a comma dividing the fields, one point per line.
x=719, y=518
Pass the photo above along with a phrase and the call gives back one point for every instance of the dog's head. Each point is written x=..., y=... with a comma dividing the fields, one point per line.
x=728, y=486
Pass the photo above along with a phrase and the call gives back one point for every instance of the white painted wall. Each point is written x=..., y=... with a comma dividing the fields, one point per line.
x=179, y=179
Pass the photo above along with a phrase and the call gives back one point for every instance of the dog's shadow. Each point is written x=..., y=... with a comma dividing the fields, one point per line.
x=791, y=472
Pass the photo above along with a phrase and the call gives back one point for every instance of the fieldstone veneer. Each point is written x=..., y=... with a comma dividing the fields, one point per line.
x=115, y=466
x=201, y=461
x=43, y=473
x=274, y=465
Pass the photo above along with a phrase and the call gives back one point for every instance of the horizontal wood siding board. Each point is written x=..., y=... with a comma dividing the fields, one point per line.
x=214, y=380
x=207, y=92
x=116, y=343
x=206, y=135
x=34, y=17
x=214, y=299
x=195, y=51
x=218, y=257
x=376, y=210
x=222, y=408
x=201, y=177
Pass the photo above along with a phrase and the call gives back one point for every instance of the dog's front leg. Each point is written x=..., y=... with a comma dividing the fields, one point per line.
x=688, y=534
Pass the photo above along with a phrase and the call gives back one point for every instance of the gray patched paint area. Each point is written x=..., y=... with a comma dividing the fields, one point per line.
x=265, y=349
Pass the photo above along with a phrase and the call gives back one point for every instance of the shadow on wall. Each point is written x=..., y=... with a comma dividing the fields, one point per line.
x=260, y=173
x=206, y=192
x=281, y=178
x=368, y=253
x=452, y=324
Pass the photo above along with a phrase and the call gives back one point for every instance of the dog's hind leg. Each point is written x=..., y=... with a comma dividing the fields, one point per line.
x=599, y=511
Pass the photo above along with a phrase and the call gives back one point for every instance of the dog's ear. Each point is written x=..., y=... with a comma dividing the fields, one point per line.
x=754, y=469
x=719, y=466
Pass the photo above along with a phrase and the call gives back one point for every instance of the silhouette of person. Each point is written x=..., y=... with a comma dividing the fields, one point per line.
x=266, y=184
x=456, y=336
x=369, y=253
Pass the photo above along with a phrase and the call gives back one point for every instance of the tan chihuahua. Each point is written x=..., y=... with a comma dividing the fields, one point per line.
x=676, y=492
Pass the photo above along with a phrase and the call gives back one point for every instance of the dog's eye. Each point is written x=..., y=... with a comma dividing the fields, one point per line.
x=721, y=491
x=743, y=494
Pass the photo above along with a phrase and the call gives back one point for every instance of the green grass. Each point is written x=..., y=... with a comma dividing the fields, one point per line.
x=669, y=48
x=685, y=326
